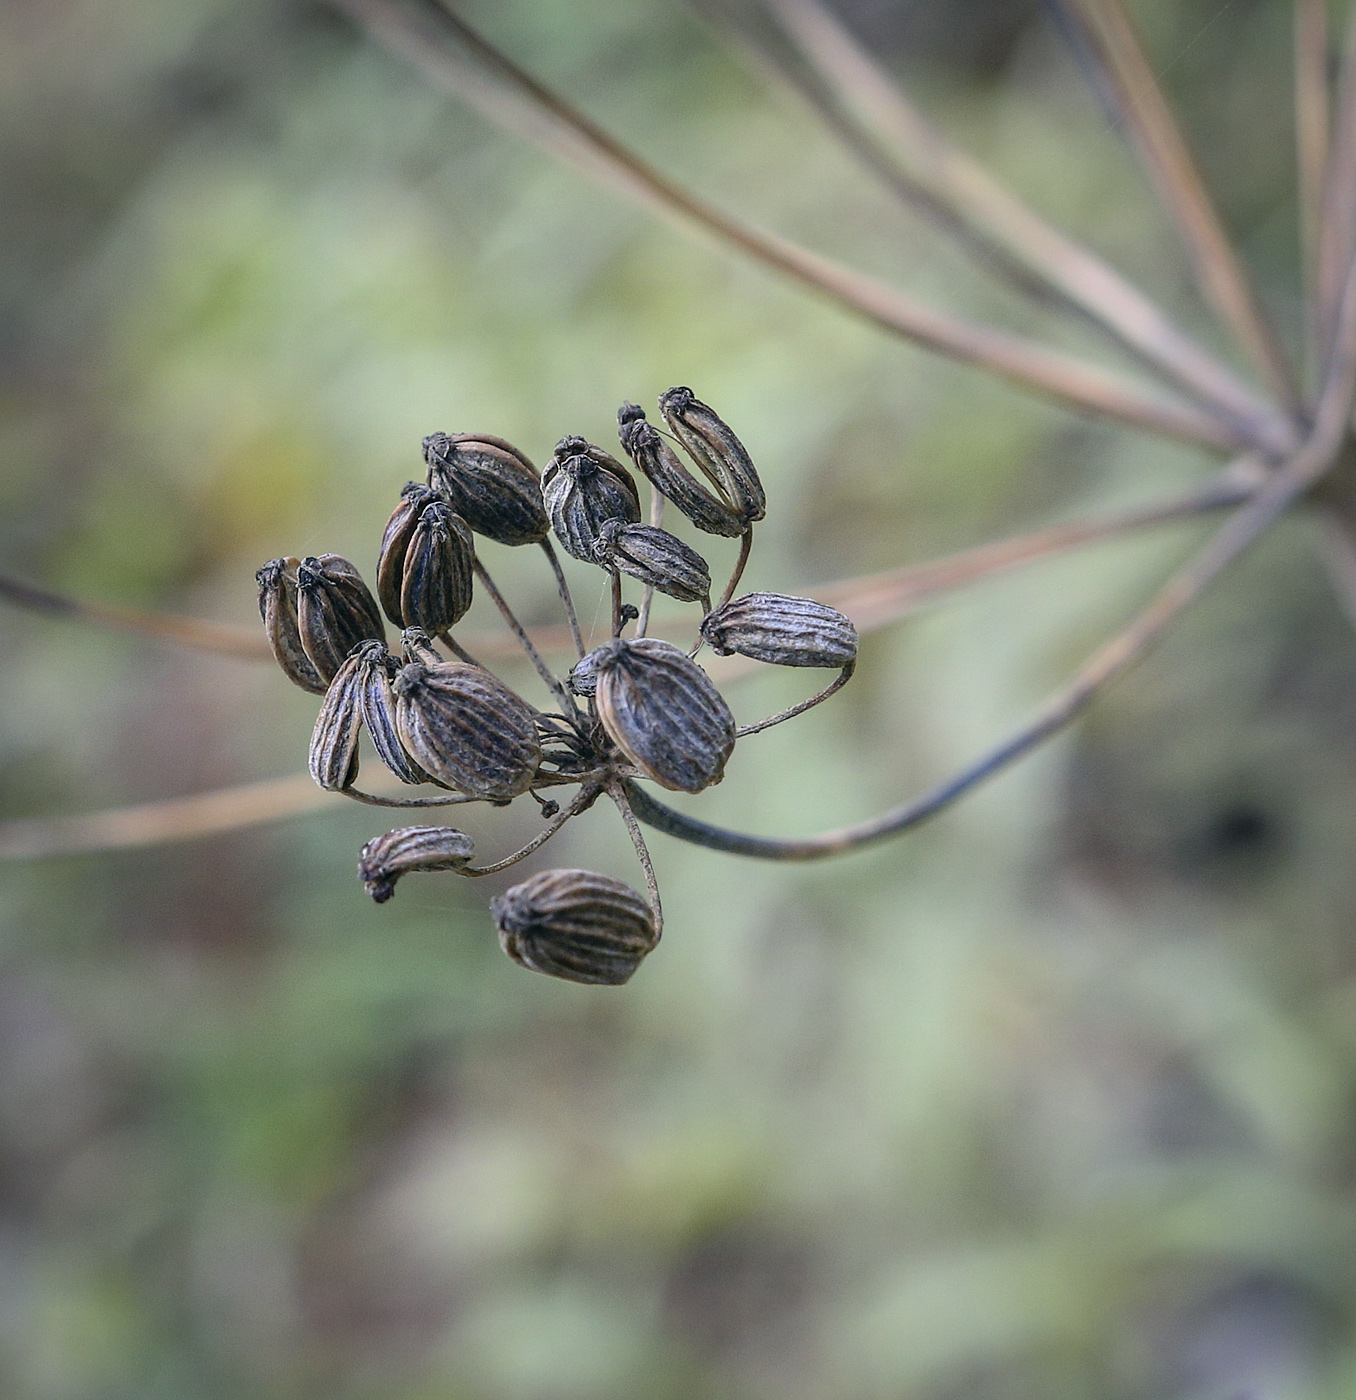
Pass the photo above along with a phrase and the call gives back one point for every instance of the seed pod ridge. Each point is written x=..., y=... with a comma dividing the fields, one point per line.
x=277, y=582
x=656, y=558
x=584, y=487
x=490, y=484
x=384, y=859
x=781, y=630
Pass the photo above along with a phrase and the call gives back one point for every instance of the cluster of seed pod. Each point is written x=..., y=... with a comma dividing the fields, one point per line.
x=635, y=707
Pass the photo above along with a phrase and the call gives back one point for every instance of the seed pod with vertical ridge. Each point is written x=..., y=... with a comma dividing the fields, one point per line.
x=490, y=484
x=333, y=756
x=395, y=543
x=435, y=591
x=782, y=630
x=660, y=708
x=576, y=925
x=384, y=859
x=656, y=558
x=714, y=448
x=416, y=645
x=335, y=612
x=376, y=666
x=666, y=473
x=277, y=582
x=467, y=730
x=583, y=487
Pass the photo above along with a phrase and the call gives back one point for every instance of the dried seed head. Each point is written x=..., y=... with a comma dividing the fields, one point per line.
x=467, y=730
x=333, y=758
x=395, y=544
x=277, y=582
x=656, y=558
x=375, y=668
x=490, y=484
x=784, y=631
x=583, y=677
x=335, y=612
x=715, y=449
x=386, y=858
x=671, y=478
x=660, y=708
x=583, y=487
x=576, y=925
x=435, y=591
x=418, y=646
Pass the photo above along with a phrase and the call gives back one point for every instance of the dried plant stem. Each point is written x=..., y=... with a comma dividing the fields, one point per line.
x=520, y=632
x=563, y=589
x=1338, y=218
x=619, y=793
x=834, y=686
x=1311, y=146
x=457, y=650
x=647, y=596
x=456, y=57
x=618, y=619
x=864, y=104
x=221, y=637
x=1149, y=121
x=586, y=796
x=1276, y=494
x=453, y=799
x=745, y=546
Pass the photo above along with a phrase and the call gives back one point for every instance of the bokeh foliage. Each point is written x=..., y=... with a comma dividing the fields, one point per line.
x=1051, y=1098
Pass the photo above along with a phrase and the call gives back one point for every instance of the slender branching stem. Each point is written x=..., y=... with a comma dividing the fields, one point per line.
x=619, y=793
x=563, y=589
x=1338, y=232
x=745, y=545
x=457, y=650
x=452, y=799
x=519, y=631
x=657, y=501
x=834, y=686
x=1311, y=148
x=586, y=796
x=618, y=620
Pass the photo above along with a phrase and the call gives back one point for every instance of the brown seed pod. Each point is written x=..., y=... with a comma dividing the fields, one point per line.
x=656, y=558
x=490, y=484
x=384, y=859
x=277, y=582
x=418, y=646
x=576, y=925
x=666, y=473
x=376, y=666
x=435, y=592
x=660, y=708
x=711, y=444
x=583, y=487
x=333, y=757
x=782, y=630
x=395, y=543
x=335, y=612
x=467, y=730
x=583, y=677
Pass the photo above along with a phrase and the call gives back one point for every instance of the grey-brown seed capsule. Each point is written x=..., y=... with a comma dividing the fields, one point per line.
x=418, y=646
x=782, y=630
x=656, y=558
x=583, y=677
x=376, y=666
x=408, y=848
x=395, y=543
x=583, y=487
x=335, y=612
x=467, y=730
x=714, y=448
x=490, y=484
x=333, y=757
x=661, y=710
x=576, y=925
x=277, y=582
x=671, y=478
x=435, y=592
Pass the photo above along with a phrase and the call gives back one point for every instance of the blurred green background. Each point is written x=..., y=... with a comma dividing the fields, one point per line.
x=1050, y=1099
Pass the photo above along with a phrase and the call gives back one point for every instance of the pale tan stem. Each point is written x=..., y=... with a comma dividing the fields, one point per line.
x=1311, y=148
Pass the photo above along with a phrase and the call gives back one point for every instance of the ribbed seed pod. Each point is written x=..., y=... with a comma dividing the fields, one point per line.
x=671, y=478
x=583, y=487
x=656, y=558
x=277, y=582
x=782, y=630
x=408, y=848
x=376, y=666
x=435, y=592
x=467, y=730
x=583, y=677
x=576, y=925
x=714, y=448
x=395, y=544
x=661, y=710
x=418, y=646
x=335, y=612
x=490, y=484
x=333, y=758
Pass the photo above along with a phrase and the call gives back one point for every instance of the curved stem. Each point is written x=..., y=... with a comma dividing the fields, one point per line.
x=453, y=799
x=563, y=589
x=586, y=796
x=838, y=682
x=745, y=545
x=457, y=650
x=619, y=793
